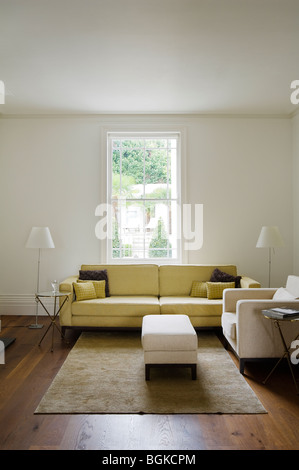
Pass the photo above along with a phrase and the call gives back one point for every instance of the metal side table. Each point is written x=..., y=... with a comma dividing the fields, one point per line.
x=270, y=315
x=54, y=316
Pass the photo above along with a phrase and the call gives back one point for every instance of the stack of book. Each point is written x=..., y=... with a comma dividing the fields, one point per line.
x=281, y=313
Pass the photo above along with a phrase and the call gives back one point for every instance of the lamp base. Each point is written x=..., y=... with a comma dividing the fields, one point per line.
x=35, y=325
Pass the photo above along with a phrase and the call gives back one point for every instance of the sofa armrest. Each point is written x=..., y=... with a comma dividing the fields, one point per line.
x=253, y=329
x=67, y=284
x=65, y=314
x=245, y=307
x=247, y=282
x=232, y=296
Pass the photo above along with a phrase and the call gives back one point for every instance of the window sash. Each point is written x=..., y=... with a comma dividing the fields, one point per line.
x=172, y=250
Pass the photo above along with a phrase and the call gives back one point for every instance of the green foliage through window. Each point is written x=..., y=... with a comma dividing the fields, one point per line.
x=143, y=188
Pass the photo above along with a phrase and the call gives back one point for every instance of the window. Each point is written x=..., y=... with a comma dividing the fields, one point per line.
x=143, y=197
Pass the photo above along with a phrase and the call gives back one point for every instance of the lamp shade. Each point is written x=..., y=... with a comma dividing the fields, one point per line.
x=269, y=238
x=40, y=237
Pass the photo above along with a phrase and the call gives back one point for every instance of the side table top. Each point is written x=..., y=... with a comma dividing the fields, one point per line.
x=52, y=294
x=281, y=314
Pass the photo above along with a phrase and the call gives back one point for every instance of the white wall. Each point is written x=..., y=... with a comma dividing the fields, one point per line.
x=295, y=135
x=241, y=169
x=52, y=174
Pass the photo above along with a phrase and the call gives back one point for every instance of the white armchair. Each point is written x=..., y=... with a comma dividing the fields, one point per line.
x=251, y=335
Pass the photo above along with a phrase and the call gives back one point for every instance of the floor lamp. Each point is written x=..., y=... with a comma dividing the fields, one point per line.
x=269, y=238
x=40, y=237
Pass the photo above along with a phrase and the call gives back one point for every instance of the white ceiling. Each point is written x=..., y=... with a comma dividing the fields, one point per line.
x=149, y=56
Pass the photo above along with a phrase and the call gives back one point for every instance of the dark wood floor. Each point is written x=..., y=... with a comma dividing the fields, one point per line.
x=29, y=370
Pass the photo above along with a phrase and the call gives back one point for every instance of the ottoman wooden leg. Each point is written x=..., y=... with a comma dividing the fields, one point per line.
x=192, y=366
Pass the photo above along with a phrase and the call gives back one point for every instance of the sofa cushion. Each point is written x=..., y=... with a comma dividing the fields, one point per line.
x=130, y=279
x=118, y=306
x=177, y=279
x=198, y=289
x=84, y=291
x=215, y=289
x=221, y=276
x=95, y=275
x=99, y=286
x=191, y=306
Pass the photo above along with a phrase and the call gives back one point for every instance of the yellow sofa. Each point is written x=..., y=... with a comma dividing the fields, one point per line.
x=136, y=290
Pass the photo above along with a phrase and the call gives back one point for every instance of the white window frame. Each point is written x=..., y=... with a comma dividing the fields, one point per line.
x=110, y=135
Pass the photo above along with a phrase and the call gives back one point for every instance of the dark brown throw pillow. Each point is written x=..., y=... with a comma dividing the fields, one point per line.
x=96, y=276
x=220, y=276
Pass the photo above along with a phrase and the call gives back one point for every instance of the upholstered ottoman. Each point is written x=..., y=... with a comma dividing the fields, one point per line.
x=169, y=340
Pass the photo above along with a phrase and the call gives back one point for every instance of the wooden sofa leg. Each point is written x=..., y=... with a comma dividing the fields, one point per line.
x=147, y=371
x=241, y=366
x=225, y=343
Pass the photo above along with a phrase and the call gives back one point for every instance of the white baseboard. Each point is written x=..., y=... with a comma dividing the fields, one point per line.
x=23, y=304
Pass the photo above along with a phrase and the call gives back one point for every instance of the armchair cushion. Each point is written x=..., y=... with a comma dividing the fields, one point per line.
x=283, y=294
x=293, y=285
x=229, y=321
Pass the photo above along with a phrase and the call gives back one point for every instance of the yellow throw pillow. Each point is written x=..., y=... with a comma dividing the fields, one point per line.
x=198, y=289
x=84, y=291
x=100, y=288
x=215, y=289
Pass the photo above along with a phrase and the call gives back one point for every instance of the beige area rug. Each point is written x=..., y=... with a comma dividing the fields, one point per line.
x=104, y=373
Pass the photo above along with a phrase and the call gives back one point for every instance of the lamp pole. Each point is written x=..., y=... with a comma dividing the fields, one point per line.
x=40, y=237
x=270, y=266
x=37, y=325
